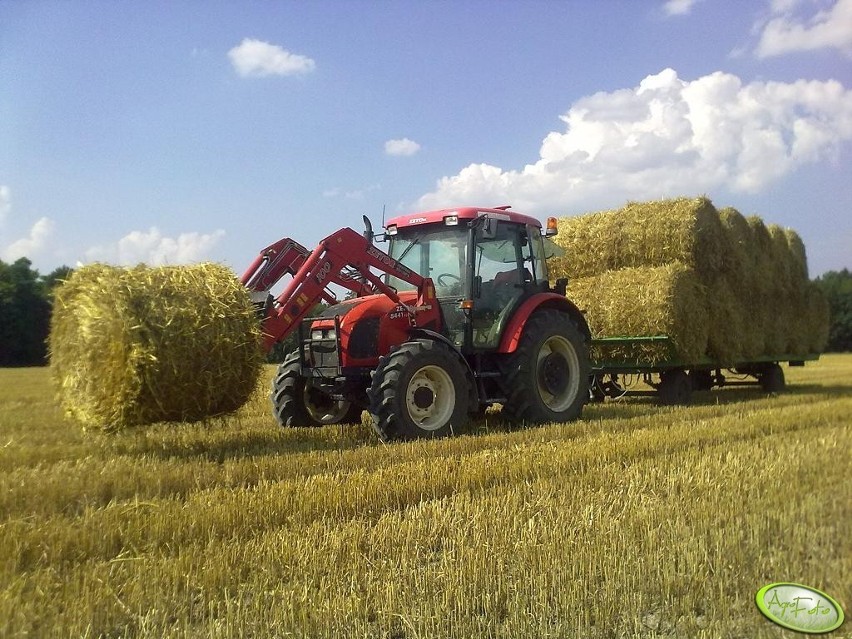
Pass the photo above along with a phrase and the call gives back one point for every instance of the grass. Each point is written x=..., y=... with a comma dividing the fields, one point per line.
x=638, y=520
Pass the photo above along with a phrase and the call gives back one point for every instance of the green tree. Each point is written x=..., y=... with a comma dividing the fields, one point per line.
x=55, y=277
x=24, y=315
x=25, y=306
x=837, y=287
x=290, y=343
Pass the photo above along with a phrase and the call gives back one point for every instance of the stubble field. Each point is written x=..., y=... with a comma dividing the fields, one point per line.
x=638, y=520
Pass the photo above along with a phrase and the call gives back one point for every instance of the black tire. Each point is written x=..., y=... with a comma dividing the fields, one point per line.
x=772, y=379
x=296, y=403
x=701, y=380
x=419, y=390
x=547, y=377
x=675, y=388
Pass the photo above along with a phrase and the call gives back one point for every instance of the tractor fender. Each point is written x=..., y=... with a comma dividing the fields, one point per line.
x=515, y=327
x=416, y=333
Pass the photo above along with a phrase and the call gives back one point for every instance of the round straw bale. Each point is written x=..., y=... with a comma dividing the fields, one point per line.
x=655, y=233
x=133, y=346
x=737, y=252
x=781, y=330
x=644, y=301
x=800, y=259
x=782, y=259
x=818, y=321
x=739, y=277
x=725, y=322
x=762, y=311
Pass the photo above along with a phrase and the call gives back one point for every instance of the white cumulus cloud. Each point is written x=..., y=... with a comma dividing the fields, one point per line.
x=401, y=147
x=33, y=243
x=5, y=201
x=258, y=58
x=787, y=31
x=152, y=247
x=678, y=7
x=666, y=137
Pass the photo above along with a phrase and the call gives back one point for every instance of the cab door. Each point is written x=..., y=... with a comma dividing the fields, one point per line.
x=501, y=279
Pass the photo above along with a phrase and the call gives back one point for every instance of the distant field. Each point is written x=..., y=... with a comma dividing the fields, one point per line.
x=637, y=521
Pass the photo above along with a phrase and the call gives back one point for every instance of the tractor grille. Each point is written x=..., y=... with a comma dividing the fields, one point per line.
x=364, y=340
x=322, y=346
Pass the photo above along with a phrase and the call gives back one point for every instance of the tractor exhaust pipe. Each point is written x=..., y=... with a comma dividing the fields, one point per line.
x=368, y=231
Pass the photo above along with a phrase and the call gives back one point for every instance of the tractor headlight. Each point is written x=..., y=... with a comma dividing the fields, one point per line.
x=451, y=220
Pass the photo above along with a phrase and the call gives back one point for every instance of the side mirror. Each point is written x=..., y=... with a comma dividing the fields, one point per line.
x=368, y=229
x=489, y=228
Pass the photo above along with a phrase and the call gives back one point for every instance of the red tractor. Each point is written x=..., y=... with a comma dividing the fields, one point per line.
x=463, y=316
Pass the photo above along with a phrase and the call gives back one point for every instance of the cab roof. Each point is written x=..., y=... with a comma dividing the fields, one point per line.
x=463, y=213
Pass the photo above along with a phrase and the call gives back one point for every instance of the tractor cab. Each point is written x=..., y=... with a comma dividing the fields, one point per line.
x=484, y=263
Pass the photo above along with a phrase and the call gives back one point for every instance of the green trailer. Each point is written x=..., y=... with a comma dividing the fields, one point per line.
x=673, y=381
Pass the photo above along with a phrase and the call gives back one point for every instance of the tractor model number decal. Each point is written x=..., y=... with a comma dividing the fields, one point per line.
x=398, y=312
x=322, y=274
x=384, y=259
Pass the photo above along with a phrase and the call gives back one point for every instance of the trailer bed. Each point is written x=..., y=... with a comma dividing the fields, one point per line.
x=673, y=380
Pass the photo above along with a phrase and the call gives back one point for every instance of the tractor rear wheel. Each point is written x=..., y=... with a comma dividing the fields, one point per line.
x=295, y=401
x=419, y=390
x=547, y=377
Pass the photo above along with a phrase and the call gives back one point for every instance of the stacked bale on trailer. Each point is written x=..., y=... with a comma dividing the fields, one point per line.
x=132, y=346
x=749, y=295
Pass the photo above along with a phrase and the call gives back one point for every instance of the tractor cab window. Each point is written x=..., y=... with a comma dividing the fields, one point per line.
x=439, y=254
x=537, y=253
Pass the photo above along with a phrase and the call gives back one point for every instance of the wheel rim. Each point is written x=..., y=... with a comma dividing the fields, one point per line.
x=321, y=408
x=557, y=379
x=430, y=397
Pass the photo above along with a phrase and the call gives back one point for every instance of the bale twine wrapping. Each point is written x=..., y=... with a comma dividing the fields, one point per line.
x=663, y=300
x=656, y=233
x=132, y=346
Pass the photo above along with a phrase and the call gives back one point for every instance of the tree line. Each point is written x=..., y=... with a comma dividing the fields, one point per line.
x=26, y=300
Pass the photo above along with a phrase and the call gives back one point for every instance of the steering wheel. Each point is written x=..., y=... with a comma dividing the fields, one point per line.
x=455, y=279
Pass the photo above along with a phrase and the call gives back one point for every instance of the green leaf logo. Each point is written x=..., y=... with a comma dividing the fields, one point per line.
x=800, y=608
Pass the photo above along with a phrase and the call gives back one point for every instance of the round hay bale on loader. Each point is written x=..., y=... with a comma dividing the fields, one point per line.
x=132, y=346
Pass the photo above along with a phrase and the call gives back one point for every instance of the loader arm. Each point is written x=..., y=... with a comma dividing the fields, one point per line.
x=343, y=258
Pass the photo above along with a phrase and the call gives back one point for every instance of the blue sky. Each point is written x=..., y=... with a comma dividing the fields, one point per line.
x=176, y=132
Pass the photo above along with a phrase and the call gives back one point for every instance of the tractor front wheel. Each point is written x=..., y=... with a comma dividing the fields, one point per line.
x=296, y=402
x=419, y=390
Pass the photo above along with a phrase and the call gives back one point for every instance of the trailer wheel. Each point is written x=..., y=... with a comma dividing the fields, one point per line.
x=419, y=390
x=701, y=380
x=675, y=388
x=772, y=379
x=295, y=402
x=547, y=377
